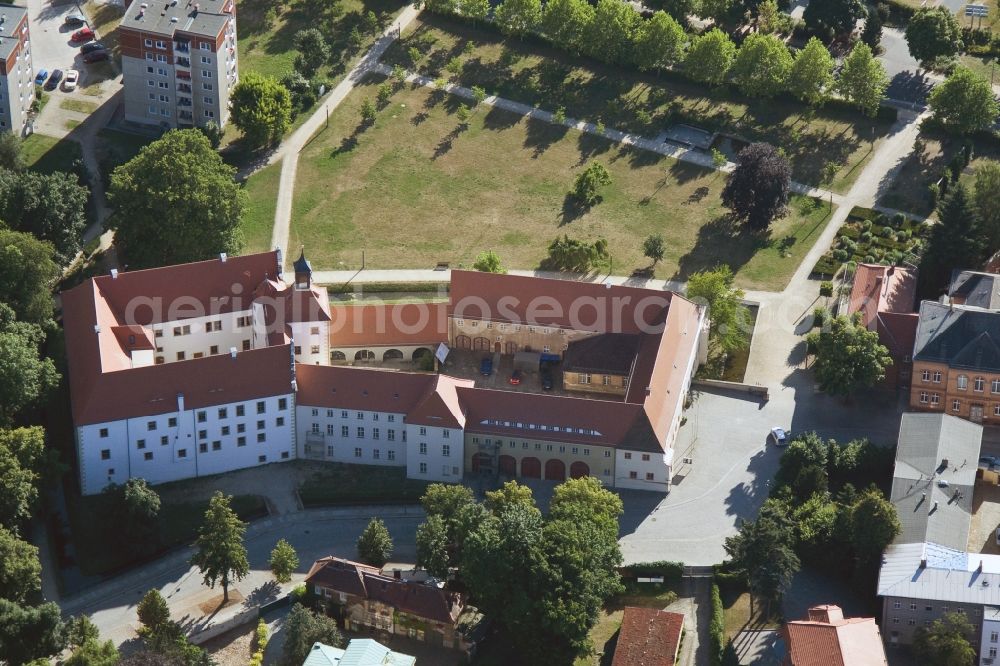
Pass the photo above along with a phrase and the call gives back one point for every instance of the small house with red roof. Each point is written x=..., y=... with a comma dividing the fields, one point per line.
x=885, y=299
x=827, y=638
x=648, y=637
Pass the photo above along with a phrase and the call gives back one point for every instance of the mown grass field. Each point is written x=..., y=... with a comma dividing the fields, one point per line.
x=258, y=221
x=420, y=187
x=48, y=154
x=646, y=104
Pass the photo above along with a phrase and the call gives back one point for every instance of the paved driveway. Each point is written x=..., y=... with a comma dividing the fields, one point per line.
x=50, y=38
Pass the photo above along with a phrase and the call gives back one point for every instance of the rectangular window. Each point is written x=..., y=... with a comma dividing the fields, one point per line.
x=423, y=430
x=209, y=100
x=446, y=433
x=202, y=434
x=607, y=454
x=213, y=350
x=262, y=459
x=180, y=356
x=241, y=441
x=956, y=405
x=246, y=345
x=105, y=454
x=344, y=431
x=376, y=454
x=357, y=451
x=935, y=398
x=261, y=407
x=391, y=418
x=315, y=412
x=205, y=46
x=209, y=114
x=225, y=431
x=649, y=476
x=391, y=435
x=149, y=43
x=390, y=454
x=628, y=456
x=261, y=437
x=151, y=425
x=329, y=429
x=202, y=417
x=205, y=60
x=423, y=468
x=445, y=450
x=584, y=378
x=283, y=404
x=206, y=74
x=361, y=433
x=240, y=410
x=148, y=455
x=223, y=412
x=160, y=44
x=924, y=397
x=182, y=453
x=216, y=445
x=645, y=457
x=343, y=414
x=375, y=433
x=315, y=428
x=164, y=440
x=633, y=475
x=423, y=448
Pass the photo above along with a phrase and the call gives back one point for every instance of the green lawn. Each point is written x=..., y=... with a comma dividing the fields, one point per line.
x=446, y=193
x=333, y=484
x=258, y=221
x=99, y=544
x=48, y=154
x=548, y=79
x=604, y=634
x=78, y=105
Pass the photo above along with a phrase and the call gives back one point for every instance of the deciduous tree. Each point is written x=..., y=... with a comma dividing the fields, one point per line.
x=313, y=51
x=221, y=556
x=945, y=642
x=654, y=248
x=261, y=108
x=660, y=42
x=432, y=546
x=763, y=552
x=811, y=76
x=20, y=569
x=176, y=202
x=26, y=377
x=831, y=18
x=509, y=494
x=11, y=156
x=571, y=254
x=762, y=66
x=710, y=57
x=586, y=187
x=680, y=9
x=518, y=17
x=955, y=241
x=863, y=80
x=611, y=34
x=302, y=628
x=874, y=524
x=849, y=357
x=730, y=320
x=475, y=10
x=933, y=33
x=565, y=22
x=52, y=207
x=79, y=630
x=27, y=270
x=757, y=190
x=964, y=102
x=375, y=544
x=283, y=561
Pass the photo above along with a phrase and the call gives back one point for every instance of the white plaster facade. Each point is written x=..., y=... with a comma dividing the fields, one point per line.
x=351, y=436
x=434, y=453
x=187, y=442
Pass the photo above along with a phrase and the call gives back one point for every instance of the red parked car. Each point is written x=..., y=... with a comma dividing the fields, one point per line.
x=83, y=35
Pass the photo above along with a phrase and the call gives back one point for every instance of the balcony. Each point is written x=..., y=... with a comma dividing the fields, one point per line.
x=185, y=116
x=182, y=47
x=183, y=62
x=182, y=75
x=184, y=88
x=183, y=101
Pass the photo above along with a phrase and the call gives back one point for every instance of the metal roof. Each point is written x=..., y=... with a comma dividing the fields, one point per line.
x=946, y=575
x=958, y=335
x=359, y=652
x=10, y=18
x=164, y=17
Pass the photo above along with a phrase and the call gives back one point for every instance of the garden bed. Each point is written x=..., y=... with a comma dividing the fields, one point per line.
x=871, y=237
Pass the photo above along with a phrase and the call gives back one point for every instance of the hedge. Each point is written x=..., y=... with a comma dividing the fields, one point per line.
x=671, y=571
x=717, y=629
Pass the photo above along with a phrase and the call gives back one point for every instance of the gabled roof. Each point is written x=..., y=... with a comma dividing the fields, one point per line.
x=880, y=288
x=572, y=304
x=364, y=389
x=359, y=652
x=339, y=574
x=935, y=449
x=981, y=290
x=648, y=637
x=937, y=573
x=959, y=336
x=827, y=638
x=440, y=406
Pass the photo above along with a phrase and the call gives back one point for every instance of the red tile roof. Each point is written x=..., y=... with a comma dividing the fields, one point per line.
x=360, y=580
x=582, y=306
x=648, y=637
x=440, y=405
x=100, y=315
x=365, y=389
x=828, y=639
x=879, y=289
x=378, y=325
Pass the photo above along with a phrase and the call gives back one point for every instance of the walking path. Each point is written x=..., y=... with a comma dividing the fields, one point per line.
x=288, y=153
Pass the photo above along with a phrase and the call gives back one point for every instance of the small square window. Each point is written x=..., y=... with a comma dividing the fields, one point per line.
x=140, y=444
x=262, y=459
x=164, y=440
x=172, y=422
x=633, y=475
x=261, y=437
x=103, y=432
x=148, y=455
x=182, y=453
x=241, y=441
x=105, y=454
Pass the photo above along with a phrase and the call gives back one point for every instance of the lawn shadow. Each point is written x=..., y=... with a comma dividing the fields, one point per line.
x=497, y=119
x=448, y=141
x=721, y=241
x=418, y=118
x=572, y=210
x=591, y=145
x=684, y=172
x=542, y=135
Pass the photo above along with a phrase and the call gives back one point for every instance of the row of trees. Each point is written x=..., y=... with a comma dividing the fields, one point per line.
x=613, y=31
x=542, y=579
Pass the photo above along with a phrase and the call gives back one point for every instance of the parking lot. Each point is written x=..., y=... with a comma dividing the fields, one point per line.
x=52, y=46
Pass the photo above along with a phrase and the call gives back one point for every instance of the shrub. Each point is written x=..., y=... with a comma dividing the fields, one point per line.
x=826, y=288
x=260, y=642
x=841, y=255
x=820, y=317
x=671, y=571
x=933, y=194
x=866, y=225
x=887, y=232
x=867, y=236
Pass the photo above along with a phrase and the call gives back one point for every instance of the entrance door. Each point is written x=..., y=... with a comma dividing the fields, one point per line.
x=508, y=466
x=531, y=468
x=496, y=347
x=555, y=470
x=976, y=413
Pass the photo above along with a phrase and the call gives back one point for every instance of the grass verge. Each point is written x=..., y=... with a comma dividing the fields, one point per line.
x=499, y=181
x=258, y=221
x=338, y=484
x=77, y=105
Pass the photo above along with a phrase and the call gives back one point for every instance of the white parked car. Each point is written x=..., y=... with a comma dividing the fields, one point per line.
x=72, y=78
x=778, y=436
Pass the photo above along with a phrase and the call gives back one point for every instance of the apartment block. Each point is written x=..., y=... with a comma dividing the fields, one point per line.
x=179, y=61
x=17, y=85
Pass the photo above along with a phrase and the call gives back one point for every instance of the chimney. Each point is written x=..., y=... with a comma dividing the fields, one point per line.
x=114, y=273
x=97, y=328
x=223, y=257
x=923, y=562
x=649, y=390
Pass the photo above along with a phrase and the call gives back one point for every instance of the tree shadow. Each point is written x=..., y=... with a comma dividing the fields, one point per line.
x=572, y=209
x=448, y=141
x=496, y=119
x=590, y=146
x=542, y=135
x=684, y=172
x=434, y=98
x=721, y=241
x=418, y=118
x=261, y=595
